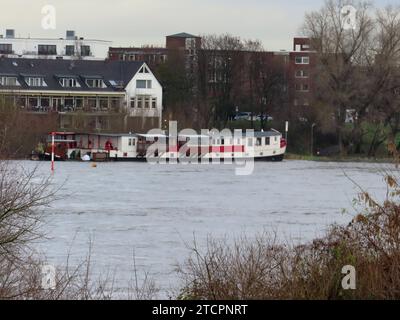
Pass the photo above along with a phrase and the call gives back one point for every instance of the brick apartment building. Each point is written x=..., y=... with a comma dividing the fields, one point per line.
x=180, y=43
x=301, y=68
x=298, y=64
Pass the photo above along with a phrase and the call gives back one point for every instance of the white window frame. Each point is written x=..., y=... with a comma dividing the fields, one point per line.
x=300, y=87
x=302, y=72
x=147, y=84
x=4, y=81
x=303, y=59
x=154, y=103
x=35, y=82
x=64, y=81
x=96, y=83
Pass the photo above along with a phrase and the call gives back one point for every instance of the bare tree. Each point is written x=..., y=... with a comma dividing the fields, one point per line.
x=347, y=78
x=267, y=84
x=221, y=66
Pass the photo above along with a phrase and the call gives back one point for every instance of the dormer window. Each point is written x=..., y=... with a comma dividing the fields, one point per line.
x=69, y=83
x=10, y=81
x=35, y=82
x=95, y=83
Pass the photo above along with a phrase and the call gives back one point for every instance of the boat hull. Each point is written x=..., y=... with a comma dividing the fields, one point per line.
x=274, y=158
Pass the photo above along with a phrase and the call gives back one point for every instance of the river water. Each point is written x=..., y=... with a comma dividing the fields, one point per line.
x=156, y=211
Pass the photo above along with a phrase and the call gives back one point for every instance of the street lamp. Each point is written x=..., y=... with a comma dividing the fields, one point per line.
x=312, y=138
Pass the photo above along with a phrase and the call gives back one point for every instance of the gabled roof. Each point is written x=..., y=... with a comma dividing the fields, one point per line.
x=183, y=35
x=120, y=72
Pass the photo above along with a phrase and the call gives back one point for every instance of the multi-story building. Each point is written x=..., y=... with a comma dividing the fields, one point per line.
x=183, y=43
x=87, y=95
x=301, y=67
x=70, y=47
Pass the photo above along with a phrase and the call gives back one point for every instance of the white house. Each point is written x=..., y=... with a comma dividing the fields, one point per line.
x=144, y=94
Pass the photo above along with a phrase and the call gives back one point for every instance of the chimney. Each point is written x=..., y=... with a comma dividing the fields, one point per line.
x=10, y=33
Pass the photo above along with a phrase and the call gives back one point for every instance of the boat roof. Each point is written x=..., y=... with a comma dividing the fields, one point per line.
x=260, y=134
x=255, y=134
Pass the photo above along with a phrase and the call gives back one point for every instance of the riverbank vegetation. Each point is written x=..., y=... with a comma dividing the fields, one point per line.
x=24, y=273
x=265, y=268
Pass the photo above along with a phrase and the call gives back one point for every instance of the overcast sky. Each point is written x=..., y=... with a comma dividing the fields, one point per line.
x=138, y=22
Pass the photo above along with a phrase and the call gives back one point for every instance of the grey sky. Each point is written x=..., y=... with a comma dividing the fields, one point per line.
x=138, y=22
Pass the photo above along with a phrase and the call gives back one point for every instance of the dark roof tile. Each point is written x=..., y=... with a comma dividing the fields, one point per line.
x=52, y=69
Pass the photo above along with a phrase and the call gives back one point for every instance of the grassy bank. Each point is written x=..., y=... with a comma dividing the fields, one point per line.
x=293, y=156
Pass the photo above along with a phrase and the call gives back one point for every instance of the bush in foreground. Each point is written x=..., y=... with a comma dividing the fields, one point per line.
x=267, y=269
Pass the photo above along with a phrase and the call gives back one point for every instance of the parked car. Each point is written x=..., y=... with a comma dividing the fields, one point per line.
x=247, y=116
x=242, y=116
x=264, y=117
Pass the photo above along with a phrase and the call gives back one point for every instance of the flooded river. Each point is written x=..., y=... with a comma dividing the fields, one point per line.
x=157, y=210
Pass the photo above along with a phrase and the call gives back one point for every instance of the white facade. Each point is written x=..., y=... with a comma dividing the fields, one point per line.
x=144, y=101
x=69, y=48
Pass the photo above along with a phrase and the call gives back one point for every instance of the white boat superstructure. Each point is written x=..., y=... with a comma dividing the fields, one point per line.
x=268, y=145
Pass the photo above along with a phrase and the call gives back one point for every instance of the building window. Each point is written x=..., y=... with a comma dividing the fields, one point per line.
x=147, y=102
x=9, y=81
x=5, y=48
x=129, y=142
x=95, y=83
x=141, y=84
x=267, y=142
x=258, y=142
x=69, y=83
x=70, y=50
x=144, y=70
x=154, y=103
x=302, y=87
x=85, y=51
x=302, y=60
x=140, y=102
x=302, y=74
x=133, y=101
x=35, y=82
x=44, y=49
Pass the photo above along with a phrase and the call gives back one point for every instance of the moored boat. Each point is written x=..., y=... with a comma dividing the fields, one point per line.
x=261, y=145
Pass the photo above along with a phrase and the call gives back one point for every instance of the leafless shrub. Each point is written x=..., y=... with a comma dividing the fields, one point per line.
x=264, y=269
x=23, y=195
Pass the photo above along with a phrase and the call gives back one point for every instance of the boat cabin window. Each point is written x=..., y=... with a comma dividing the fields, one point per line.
x=267, y=142
x=133, y=142
x=130, y=142
x=258, y=142
x=222, y=141
x=250, y=142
